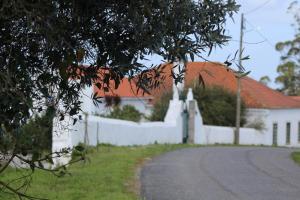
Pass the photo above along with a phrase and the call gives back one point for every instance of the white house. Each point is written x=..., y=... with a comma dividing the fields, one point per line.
x=129, y=96
x=280, y=114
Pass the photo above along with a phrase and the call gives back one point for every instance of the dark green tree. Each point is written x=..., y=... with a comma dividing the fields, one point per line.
x=218, y=106
x=43, y=45
x=36, y=135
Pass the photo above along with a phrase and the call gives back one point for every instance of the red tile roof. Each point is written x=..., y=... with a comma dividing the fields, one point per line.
x=297, y=98
x=126, y=89
x=264, y=97
x=255, y=94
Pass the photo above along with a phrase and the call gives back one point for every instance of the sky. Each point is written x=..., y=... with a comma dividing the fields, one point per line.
x=267, y=23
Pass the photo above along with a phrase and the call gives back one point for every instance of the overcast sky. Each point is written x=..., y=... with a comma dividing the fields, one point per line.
x=268, y=21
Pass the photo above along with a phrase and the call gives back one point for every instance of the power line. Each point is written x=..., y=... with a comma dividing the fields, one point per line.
x=258, y=7
x=258, y=32
x=249, y=42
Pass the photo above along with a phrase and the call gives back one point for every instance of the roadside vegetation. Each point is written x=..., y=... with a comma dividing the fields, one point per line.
x=110, y=173
x=296, y=157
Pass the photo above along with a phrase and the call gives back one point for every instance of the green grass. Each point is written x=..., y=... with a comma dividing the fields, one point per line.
x=110, y=175
x=296, y=157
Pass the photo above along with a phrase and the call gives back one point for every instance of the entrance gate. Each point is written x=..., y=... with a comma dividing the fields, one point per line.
x=185, y=123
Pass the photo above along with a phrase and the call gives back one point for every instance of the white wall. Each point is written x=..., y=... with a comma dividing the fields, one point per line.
x=216, y=135
x=95, y=130
x=141, y=104
x=120, y=132
x=123, y=133
x=282, y=116
x=225, y=135
x=61, y=138
x=250, y=136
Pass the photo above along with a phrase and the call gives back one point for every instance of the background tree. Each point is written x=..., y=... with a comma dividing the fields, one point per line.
x=289, y=75
x=289, y=78
x=43, y=45
x=218, y=106
x=265, y=80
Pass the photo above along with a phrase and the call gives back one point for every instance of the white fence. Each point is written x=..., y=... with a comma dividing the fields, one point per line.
x=225, y=135
x=123, y=133
x=94, y=130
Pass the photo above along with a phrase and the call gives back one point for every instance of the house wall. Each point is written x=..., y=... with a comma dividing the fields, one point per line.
x=216, y=135
x=141, y=104
x=281, y=117
x=225, y=135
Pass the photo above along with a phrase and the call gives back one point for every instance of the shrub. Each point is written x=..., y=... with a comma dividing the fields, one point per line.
x=257, y=124
x=218, y=106
x=160, y=107
x=127, y=112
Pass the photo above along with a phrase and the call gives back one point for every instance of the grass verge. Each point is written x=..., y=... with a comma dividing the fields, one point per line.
x=296, y=157
x=110, y=174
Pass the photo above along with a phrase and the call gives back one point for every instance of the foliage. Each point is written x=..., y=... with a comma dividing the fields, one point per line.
x=296, y=157
x=36, y=135
x=127, y=112
x=257, y=124
x=61, y=35
x=112, y=100
x=265, y=80
x=289, y=74
x=43, y=45
x=109, y=175
x=160, y=107
x=218, y=106
x=289, y=78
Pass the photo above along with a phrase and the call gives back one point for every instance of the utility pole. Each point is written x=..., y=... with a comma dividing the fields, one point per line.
x=238, y=95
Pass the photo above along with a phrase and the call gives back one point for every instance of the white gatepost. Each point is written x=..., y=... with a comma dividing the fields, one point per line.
x=197, y=128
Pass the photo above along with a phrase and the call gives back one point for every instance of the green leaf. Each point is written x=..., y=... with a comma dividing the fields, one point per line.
x=79, y=148
x=245, y=58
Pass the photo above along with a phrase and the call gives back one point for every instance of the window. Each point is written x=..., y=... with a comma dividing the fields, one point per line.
x=275, y=131
x=299, y=132
x=288, y=133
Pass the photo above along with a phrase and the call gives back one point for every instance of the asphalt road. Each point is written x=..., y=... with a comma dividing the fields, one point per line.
x=222, y=173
